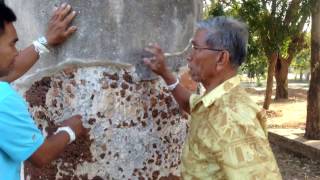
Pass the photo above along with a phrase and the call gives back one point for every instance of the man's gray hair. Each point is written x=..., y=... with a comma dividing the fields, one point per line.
x=228, y=34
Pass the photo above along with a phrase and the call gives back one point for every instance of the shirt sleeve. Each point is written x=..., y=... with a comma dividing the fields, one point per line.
x=19, y=136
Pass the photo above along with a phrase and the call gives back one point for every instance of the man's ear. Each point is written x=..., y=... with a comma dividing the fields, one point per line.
x=223, y=60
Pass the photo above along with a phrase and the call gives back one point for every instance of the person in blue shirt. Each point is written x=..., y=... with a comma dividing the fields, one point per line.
x=20, y=139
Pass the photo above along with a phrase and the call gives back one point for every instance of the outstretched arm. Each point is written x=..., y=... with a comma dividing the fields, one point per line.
x=158, y=65
x=55, y=144
x=59, y=30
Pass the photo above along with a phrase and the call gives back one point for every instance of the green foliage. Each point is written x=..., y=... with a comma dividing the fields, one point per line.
x=214, y=10
x=276, y=22
x=255, y=67
x=301, y=63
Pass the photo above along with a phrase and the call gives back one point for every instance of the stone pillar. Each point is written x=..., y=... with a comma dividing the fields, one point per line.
x=136, y=128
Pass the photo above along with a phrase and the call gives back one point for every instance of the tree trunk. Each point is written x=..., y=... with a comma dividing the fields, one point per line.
x=307, y=77
x=271, y=67
x=281, y=75
x=301, y=75
x=313, y=108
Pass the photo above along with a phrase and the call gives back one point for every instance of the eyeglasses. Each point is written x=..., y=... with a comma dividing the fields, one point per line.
x=205, y=48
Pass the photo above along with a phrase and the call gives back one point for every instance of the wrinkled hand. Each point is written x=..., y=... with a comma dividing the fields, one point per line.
x=59, y=29
x=157, y=62
x=75, y=124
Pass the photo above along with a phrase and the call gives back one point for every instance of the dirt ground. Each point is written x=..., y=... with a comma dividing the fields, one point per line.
x=296, y=167
x=289, y=114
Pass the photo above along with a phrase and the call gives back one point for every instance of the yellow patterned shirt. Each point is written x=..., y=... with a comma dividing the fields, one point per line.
x=227, y=137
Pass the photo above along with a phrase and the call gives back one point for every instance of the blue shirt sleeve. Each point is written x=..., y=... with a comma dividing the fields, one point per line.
x=19, y=136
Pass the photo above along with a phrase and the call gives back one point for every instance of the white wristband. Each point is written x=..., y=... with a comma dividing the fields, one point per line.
x=171, y=87
x=40, y=45
x=68, y=130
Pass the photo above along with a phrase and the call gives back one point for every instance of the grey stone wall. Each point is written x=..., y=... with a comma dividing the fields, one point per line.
x=111, y=30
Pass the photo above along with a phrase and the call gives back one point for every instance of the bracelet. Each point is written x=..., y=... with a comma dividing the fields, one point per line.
x=68, y=130
x=43, y=40
x=40, y=45
x=171, y=87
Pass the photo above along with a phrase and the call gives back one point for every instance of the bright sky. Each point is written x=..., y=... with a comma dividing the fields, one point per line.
x=208, y=2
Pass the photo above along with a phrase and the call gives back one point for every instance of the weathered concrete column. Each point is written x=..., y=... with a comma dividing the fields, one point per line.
x=136, y=128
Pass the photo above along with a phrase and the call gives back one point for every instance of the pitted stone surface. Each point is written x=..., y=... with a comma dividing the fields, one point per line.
x=136, y=128
x=111, y=30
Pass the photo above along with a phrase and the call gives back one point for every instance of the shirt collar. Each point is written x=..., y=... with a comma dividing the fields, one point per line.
x=208, y=98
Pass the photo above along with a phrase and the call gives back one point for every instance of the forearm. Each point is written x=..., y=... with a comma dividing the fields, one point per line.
x=180, y=93
x=50, y=149
x=24, y=61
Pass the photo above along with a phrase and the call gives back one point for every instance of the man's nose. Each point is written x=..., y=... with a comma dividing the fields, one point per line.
x=16, y=52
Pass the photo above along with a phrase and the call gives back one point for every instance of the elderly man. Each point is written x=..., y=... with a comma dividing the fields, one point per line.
x=227, y=137
x=20, y=139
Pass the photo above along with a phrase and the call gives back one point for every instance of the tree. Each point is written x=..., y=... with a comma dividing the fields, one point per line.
x=301, y=64
x=255, y=64
x=313, y=108
x=295, y=19
x=280, y=28
x=278, y=24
